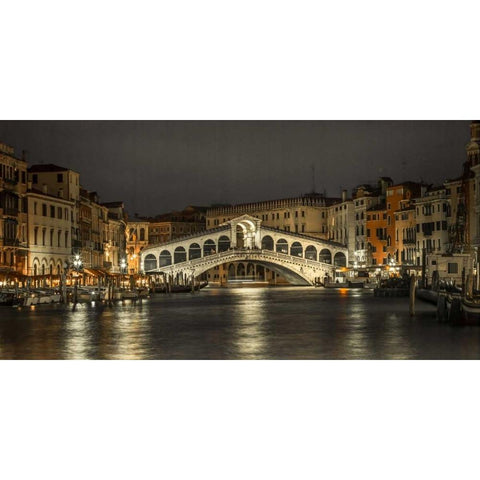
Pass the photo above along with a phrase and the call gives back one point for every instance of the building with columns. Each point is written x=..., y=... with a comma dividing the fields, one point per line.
x=49, y=234
x=137, y=239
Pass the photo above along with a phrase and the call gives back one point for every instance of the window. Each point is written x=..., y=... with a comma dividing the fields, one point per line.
x=59, y=213
x=43, y=236
x=453, y=268
x=52, y=211
x=59, y=177
x=35, y=178
x=51, y=238
x=35, y=236
x=44, y=210
x=59, y=234
x=34, y=208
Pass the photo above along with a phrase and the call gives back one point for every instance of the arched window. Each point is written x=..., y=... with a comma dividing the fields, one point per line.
x=282, y=246
x=267, y=243
x=165, y=258
x=209, y=248
x=180, y=255
x=150, y=263
x=194, y=251
x=223, y=243
x=296, y=250
x=311, y=253
x=325, y=256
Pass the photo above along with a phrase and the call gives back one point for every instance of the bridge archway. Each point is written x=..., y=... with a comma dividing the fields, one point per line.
x=325, y=256
x=267, y=243
x=240, y=270
x=150, y=262
x=194, y=251
x=296, y=249
x=282, y=246
x=165, y=258
x=311, y=253
x=209, y=248
x=340, y=260
x=179, y=255
x=223, y=243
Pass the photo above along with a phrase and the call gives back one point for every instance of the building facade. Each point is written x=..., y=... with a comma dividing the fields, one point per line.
x=137, y=240
x=13, y=213
x=49, y=234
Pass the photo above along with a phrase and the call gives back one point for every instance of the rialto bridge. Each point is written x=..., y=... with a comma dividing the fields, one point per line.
x=301, y=259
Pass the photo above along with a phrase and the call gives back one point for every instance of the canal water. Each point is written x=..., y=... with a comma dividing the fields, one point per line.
x=242, y=323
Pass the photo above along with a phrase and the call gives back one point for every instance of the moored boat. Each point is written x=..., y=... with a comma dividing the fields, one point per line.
x=470, y=312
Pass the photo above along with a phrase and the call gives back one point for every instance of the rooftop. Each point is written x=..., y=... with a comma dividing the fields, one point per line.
x=47, y=167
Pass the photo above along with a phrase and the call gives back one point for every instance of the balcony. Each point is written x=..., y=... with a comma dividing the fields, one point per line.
x=9, y=242
x=10, y=211
x=9, y=183
x=408, y=241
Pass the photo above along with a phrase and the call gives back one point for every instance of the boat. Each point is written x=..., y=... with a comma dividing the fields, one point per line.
x=470, y=312
x=427, y=295
x=8, y=298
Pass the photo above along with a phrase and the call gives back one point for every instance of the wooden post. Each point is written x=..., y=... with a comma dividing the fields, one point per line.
x=75, y=293
x=412, y=295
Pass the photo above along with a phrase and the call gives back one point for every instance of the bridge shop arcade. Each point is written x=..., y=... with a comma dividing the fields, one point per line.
x=242, y=251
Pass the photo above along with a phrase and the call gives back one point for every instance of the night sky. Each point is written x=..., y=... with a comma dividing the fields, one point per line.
x=158, y=166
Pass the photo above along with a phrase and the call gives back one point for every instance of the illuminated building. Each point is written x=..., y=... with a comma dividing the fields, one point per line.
x=405, y=234
x=13, y=216
x=365, y=197
x=49, y=235
x=137, y=240
x=169, y=226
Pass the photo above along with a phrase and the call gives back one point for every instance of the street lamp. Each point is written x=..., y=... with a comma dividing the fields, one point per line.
x=77, y=262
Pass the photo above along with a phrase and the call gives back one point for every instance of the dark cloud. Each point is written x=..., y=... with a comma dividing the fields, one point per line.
x=157, y=166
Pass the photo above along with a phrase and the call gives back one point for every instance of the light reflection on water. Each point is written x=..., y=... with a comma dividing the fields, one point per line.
x=243, y=323
x=250, y=337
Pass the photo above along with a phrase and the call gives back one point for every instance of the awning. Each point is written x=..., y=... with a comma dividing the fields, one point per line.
x=96, y=272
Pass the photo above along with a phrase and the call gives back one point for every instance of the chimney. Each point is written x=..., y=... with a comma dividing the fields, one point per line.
x=344, y=195
x=45, y=188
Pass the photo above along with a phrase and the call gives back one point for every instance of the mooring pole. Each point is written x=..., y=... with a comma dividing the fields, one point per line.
x=412, y=295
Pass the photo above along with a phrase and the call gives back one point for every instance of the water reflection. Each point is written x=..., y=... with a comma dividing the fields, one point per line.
x=249, y=336
x=78, y=338
x=275, y=323
x=130, y=332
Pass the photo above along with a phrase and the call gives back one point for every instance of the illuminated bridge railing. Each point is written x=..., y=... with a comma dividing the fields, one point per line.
x=245, y=255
